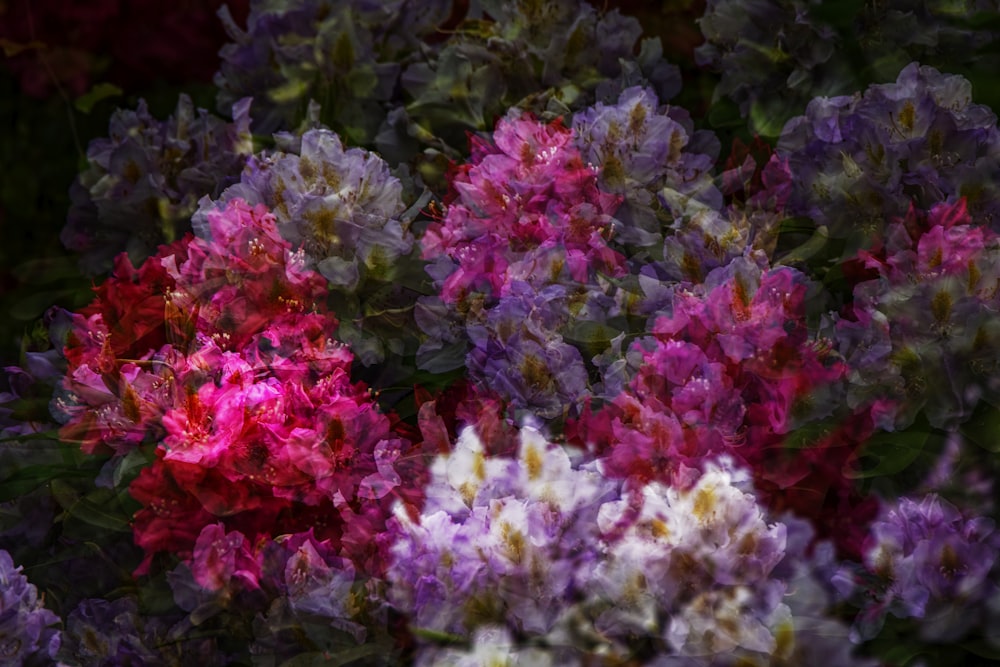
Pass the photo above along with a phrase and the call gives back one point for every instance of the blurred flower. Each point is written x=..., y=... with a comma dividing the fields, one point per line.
x=144, y=180
x=861, y=161
x=341, y=207
x=732, y=368
x=105, y=633
x=26, y=633
x=653, y=157
x=927, y=560
x=346, y=56
x=774, y=56
x=519, y=353
x=929, y=345
x=500, y=540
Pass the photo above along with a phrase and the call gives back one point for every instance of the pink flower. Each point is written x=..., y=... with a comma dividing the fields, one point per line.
x=525, y=201
x=220, y=559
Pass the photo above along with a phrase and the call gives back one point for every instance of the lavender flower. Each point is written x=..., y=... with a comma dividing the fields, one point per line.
x=926, y=560
x=776, y=55
x=341, y=206
x=107, y=633
x=500, y=540
x=518, y=352
x=861, y=161
x=143, y=182
x=652, y=156
x=26, y=633
x=345, y=56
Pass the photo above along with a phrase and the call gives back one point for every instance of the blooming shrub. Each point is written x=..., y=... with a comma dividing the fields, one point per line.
x=473, y=340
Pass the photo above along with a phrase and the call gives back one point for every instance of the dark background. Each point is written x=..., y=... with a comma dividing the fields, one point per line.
x=65, y=66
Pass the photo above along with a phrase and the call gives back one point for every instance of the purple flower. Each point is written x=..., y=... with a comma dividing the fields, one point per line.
x=341, y=206
x=26, y=632
x=144, y=180
x=107, y=633
x=519, y=353
x=342, y=211
x=500, y=541
x=926, y=560
x=648, y=153
x=861, y=161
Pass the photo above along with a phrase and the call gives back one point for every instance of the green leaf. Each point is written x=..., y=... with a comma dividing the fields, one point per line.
x=809, y=435
x=983, y=429
x=64, y=493
x=34, y=440
x=988, y=20
x=129, y=466
x=725, y=113
x=29, y=478
x=807, y=249
x=100, y=508
x=101, y=91
x=438, y=636
x=288, y=92
x=891, y=453
x=768, y=119
x=28, y=409
x=34, y=306
x=44, y=270
x=11, y=48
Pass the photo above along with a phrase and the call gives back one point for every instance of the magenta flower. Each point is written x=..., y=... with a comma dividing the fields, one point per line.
x=524, y=204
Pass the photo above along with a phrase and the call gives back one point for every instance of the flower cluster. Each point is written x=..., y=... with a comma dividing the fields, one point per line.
x=250, y=401
x=345, y=211
x=731, y=369
x=26, y=633
x=929, y=561
x=499, y=540
x=860, y=161
x=144, y=180
x=521, y=259
x=672, y=220
x=562, y=557
x=341, y=206
x=774, y=56
x=653, y=158
x=588, y=391
x=519, y=353
x=904, y=362
x=105, y=633
x=527, y=208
